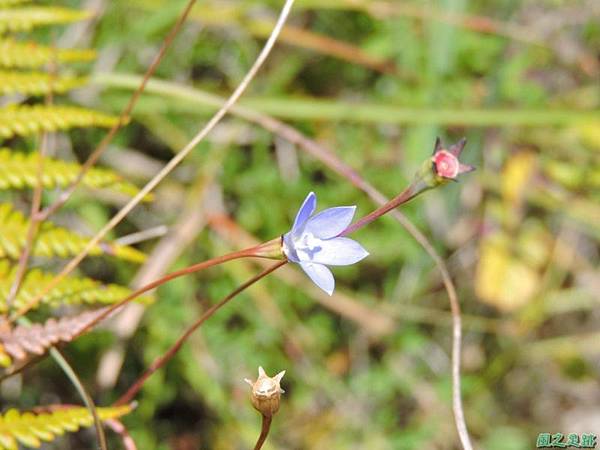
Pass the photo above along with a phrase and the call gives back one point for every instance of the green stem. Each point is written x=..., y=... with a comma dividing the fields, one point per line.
x=316, y=109
x=72, y=376
x=87, y=399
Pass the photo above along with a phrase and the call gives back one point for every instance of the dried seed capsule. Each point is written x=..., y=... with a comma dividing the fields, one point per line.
x=266, y=392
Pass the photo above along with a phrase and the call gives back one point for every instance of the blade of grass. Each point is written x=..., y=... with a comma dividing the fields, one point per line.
x=190, y=99
x=83, y=393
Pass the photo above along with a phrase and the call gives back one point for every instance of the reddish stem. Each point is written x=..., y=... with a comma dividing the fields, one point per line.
x=162, y=360
x=264, y=431
x=405, y=196
x=264, y=250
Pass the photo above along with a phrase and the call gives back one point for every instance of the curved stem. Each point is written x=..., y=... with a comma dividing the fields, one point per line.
x=87, y=399
x=162, y=360
x=264, y=431
x=246, y=253
x=36, y=201
x=405, y=196
x=174, y=162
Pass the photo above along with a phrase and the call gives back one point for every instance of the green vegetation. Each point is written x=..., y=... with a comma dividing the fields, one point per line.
x=375, y=82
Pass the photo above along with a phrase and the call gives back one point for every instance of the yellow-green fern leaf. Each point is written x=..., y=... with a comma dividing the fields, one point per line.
x=52, y=241
x=71, y=290
x=36, y=83
x=24, y=19
x=30, y=429
x=19, y=171
x=29, y=55
x=24, y=120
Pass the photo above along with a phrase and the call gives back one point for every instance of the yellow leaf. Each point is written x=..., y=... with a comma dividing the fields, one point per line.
x=502, y=280
x=515, y=176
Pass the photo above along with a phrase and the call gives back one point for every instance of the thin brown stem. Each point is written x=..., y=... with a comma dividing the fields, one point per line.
x=246, y=253
x=400, y=199
x=264, y=431
x=162, y=360
x=32, y=229
x=36, y=203
x=123, y=117
x=174, y=162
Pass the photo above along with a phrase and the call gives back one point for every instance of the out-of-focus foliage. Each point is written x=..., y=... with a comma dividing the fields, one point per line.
x=379, y=82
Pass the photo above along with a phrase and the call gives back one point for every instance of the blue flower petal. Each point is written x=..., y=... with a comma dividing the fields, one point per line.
x=320, y=275
x=307, y=208
x=339, y=251
x=289, y=248
x=331, y=222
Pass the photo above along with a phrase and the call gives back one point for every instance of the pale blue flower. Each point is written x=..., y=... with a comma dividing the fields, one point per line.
x=313, y=242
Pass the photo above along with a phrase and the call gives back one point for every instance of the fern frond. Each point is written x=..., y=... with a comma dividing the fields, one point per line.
x=52, y=241
x=30, y=429
x=70, y=291
x=19, y=171
x=30, y=55
x=24, y=19
x=24, y=340
x=36, y=83
x=24, y=120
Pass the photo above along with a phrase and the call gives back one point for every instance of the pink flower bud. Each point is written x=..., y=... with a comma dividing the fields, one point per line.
x=445, y=162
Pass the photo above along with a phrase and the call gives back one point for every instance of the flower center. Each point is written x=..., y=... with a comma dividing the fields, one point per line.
x=309, y=244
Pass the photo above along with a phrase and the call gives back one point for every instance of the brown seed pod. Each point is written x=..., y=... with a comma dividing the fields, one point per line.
x=266, y=392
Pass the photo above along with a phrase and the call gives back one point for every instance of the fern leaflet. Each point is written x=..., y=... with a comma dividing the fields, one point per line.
x=30, y=55
x=24, y=19
x=19, y=171
x=24, y=120
x=30, y=429
x=52, y=241
x=24, y=340
x=36, y=83
x=71, y=290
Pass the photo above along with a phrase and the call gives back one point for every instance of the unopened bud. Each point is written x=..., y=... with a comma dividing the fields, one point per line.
x=442, y=167
x=266, y=392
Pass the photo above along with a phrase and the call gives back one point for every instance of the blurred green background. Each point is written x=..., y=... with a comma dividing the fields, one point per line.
x=376, y=82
